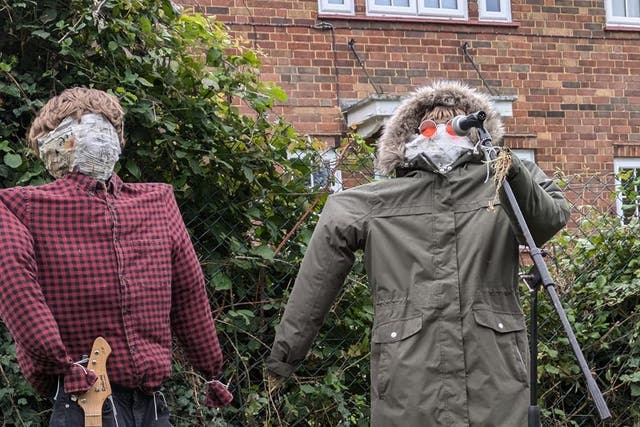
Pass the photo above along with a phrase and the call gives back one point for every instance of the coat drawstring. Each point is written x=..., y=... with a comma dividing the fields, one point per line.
x=115, y=412
x=155, y=405
x=55, y=396
x=80, y=363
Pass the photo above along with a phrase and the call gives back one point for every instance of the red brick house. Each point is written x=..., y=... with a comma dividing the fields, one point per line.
x=565, y=74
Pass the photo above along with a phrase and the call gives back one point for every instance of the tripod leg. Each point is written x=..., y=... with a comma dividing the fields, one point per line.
x=533, y=282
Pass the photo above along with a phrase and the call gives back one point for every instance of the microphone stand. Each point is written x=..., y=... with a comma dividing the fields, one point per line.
x=539, y=274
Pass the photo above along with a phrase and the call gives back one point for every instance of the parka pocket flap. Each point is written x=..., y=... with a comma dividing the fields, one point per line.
x=499, y=322
x=396, y=330
x=403, y=211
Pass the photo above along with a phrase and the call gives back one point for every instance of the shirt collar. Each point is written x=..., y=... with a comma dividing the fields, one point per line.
x=90, y=185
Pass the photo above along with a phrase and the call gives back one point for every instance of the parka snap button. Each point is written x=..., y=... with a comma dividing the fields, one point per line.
x=500, y=325
x=394, y=334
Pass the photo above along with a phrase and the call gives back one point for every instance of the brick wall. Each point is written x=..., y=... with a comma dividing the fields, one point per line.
x=577, y=82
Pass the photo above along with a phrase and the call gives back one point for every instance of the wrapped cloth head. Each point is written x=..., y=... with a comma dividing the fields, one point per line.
x=88, y=145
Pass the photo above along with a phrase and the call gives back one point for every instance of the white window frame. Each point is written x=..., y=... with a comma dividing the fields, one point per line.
x=462, y=12
x=620, y=20
x=346, y=8
x=329, y=164
x=375, y=9
x=416, y=8
x=504, y=15
x=619, y=164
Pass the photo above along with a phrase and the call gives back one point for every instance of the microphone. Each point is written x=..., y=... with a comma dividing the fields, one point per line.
x=462, y=124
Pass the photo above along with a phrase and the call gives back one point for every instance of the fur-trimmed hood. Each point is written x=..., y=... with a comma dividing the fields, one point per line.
x=403, y=124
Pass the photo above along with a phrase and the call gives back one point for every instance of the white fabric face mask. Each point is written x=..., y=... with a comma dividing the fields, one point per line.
x=442, y=149
x=89, y=146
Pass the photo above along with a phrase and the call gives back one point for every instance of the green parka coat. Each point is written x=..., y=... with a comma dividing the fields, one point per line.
x=448, y=344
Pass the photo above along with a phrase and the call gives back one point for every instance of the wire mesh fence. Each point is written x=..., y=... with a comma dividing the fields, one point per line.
x=594, y=262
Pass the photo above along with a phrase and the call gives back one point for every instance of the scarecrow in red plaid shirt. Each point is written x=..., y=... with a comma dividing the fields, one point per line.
x=90, y=256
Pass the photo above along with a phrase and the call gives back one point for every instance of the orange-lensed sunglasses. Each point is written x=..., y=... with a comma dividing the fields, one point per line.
x=428, y=128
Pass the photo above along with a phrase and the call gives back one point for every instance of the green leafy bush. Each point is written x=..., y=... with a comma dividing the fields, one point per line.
x=198, y=117
x=597, y=271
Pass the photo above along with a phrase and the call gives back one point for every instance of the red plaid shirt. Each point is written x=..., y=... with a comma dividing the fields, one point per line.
x=78, y=261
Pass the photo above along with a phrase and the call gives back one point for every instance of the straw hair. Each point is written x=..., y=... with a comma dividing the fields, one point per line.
x=440, y=113
x=74, y=103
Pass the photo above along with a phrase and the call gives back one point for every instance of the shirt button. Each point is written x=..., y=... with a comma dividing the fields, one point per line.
x=394, y=334
x=500, y=325
x=133, y=349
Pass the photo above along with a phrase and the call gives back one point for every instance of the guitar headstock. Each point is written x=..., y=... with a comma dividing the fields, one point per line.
x=91, y=402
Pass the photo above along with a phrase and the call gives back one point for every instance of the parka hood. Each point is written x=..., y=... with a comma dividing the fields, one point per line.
x=403, y=124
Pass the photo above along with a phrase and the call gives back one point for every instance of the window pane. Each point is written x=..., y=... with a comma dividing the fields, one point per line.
x=629, y=187
x=450, y=4
x=401, y=3
x=493, y=5
x=634, y=8
x=618, y=7
x=431, y=3
x=340, y=2
x=383, y=2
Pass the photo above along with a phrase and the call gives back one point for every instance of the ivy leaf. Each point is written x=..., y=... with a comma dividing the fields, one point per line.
x=277, y=93
x=264, y=252
x=248, y=173
x=221, y=282
x=12, y=160
x=145, y=25
x=133, y=168
x=48, y=16
x=42, y=34
x=145, y=82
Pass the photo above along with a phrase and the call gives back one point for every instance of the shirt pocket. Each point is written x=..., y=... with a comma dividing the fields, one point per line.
x=391, y=341
x=147, y=263
x=502, y=338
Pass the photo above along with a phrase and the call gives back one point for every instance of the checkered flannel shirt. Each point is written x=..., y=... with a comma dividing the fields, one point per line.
x=80, y=260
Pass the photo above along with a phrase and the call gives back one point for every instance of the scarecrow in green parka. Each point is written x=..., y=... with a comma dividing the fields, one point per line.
x=441, y=249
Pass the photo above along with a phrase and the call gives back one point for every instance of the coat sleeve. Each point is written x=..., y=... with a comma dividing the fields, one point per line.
x=541, y=201
x=191, y=318
x=329, y=257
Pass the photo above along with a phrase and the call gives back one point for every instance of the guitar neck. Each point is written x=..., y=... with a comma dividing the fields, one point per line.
x=93, y=420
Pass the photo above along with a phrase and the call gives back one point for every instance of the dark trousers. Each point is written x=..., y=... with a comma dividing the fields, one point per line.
x=132, y=409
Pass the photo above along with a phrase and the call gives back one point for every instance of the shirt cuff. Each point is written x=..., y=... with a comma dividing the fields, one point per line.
x=79, y=380
x=217, y=395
